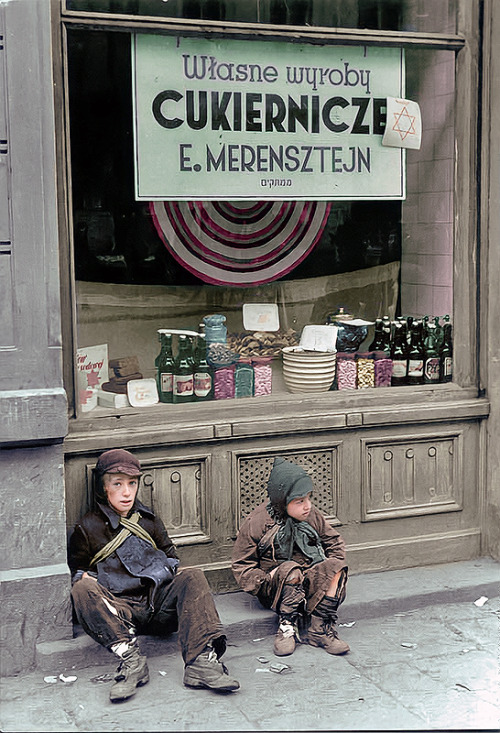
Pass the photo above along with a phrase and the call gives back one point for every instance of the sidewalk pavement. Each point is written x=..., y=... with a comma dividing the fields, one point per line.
x=425, y=655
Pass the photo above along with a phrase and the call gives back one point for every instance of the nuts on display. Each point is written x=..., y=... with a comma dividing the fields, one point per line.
x=262, y=343
x=366, y=373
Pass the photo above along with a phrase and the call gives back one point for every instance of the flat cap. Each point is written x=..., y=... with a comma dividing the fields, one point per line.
x=118, y=460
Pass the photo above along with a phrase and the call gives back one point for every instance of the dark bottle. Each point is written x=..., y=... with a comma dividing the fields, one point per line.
x=418, y=325
x=159, y=353
x=378, y=337
x=165, y=368
x=415, y=357
x=404, y=329
x=439, y=334
x=447, y=354
x=432, y=365
x=399, y=356
x=203, y=376
x=387, y=335
x=182, y=389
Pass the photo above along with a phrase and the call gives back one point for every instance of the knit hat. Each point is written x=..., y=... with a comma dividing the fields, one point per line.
x=287, y=481
x=118, y=461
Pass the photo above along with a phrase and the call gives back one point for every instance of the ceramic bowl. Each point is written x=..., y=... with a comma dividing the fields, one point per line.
x=308, y=371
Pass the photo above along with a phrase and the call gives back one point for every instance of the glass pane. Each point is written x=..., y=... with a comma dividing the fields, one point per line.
x=424, y=16
x=370, y=258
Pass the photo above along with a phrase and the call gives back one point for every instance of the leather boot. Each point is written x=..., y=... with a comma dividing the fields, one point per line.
x=132, y=672
x=322, y=631
x=208, y=671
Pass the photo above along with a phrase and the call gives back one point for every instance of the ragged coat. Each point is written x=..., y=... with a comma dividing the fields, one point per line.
x=136, y=568
x=253, y=555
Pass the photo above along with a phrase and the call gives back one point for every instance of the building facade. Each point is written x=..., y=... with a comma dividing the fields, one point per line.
x=97, y=255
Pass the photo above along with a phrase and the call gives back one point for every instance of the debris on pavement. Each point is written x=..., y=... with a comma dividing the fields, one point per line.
x=69, y=679
x=480, y=601
x=50, y=679
x=163, y=674
x=263, y=660
x=106, y=677
x=408, y=645
x=348, y=625
x=278, y=668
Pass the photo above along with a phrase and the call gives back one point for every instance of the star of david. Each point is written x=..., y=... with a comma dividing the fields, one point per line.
x=92, y=379
x=406, y=126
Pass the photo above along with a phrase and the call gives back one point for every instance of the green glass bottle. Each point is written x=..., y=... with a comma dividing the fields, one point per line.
x=386, y=335
x=182, y=389
x=399, y=356
x=165, y=368
x=432, y=360
x=447, y=354
x=378, y=343
x=203, y=376
x=415, y=357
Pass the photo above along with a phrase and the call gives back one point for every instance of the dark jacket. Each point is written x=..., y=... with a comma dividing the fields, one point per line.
x=253, y=554
x=135, y=569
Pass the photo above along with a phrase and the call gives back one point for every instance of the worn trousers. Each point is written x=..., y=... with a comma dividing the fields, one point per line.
x=315, y=582
x=184, y=604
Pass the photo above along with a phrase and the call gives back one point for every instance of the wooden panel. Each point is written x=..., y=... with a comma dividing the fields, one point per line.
x=176, y=490
x=411, y=476
x=321, y=465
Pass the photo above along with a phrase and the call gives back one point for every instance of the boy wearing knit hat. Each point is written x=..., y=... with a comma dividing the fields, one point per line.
x=288, y=556
x=125, y=579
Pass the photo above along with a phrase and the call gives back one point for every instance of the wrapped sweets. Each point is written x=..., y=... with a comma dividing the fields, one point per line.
x=383, y=369
x=263, y=376
x=224, y=382
x=346, y=371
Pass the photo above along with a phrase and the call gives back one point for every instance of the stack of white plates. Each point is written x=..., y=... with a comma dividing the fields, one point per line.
x=308, y=371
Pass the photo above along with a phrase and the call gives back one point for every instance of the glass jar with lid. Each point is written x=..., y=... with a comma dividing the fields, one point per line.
x=215, y=329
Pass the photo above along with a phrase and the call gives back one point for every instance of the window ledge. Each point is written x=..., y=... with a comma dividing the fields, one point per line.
x=267, y=416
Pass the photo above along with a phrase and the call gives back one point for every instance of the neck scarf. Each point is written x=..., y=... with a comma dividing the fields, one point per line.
x=292, y=533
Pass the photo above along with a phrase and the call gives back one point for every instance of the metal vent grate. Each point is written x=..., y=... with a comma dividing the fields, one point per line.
x=320, y=465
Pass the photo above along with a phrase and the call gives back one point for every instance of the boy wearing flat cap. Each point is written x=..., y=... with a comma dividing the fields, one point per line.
x=288, y=556
x=125, y=579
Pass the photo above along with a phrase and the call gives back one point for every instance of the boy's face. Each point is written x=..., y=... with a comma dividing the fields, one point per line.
x=299, y=508
x=121, y=491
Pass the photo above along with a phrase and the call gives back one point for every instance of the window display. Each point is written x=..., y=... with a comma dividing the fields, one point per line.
x=143, y=268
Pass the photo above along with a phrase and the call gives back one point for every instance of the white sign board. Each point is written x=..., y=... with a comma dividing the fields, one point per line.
x=253, y=120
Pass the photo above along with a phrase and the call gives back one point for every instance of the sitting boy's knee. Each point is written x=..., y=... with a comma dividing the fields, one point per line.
x=295, y=577
x=85, y=586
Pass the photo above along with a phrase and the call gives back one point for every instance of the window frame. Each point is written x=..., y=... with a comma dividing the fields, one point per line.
x=465, y=45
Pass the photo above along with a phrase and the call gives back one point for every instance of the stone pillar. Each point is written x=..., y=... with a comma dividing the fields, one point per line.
x=34, y=577
x=490, y=266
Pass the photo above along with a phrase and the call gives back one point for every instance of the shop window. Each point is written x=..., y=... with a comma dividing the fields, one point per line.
x=424, y=16
x=371, y=259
